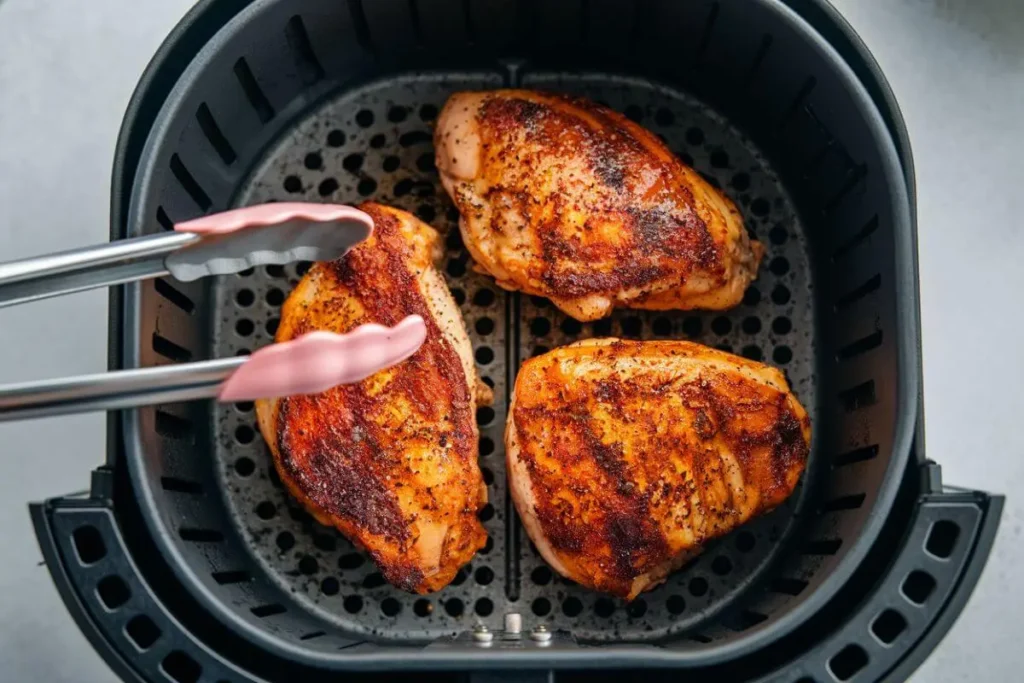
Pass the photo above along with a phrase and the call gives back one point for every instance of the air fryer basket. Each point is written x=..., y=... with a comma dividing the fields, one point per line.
x=332, y=101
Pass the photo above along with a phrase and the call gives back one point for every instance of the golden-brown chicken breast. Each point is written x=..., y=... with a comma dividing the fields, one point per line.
x=563, y=198
x=624, y=457
x=392, y=460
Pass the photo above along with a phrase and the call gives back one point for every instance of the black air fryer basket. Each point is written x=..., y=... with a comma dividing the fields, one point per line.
x=188, y=561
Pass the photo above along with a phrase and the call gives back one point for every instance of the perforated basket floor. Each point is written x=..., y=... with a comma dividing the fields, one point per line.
x=375, y=143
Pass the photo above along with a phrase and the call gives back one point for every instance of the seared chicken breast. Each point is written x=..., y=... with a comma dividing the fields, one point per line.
x=563, y=198
x=625, y=456
x=391, y=461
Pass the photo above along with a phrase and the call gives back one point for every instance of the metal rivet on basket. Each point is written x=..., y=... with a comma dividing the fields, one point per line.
x=482, y=634
x=540, y=633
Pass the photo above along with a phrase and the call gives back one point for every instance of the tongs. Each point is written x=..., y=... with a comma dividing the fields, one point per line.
x=219, y=244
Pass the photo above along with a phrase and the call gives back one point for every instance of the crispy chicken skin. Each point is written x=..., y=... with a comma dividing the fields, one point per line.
x=625, y=456
x=392, y=460
x=567, y=199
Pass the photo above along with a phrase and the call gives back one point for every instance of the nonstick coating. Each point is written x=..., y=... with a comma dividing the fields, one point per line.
x=315, y=99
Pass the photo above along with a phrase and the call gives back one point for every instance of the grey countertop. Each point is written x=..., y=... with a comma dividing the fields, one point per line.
x=957, y=68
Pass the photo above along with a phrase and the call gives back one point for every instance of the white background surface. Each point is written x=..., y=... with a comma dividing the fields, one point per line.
x=67, y=70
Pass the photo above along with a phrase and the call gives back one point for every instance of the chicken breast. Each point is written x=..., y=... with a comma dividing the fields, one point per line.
x=624, y=456
x=563, y=198
x=392, y=460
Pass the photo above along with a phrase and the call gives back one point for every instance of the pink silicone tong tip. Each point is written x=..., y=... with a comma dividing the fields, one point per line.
x=318, y=361
x=272, y=214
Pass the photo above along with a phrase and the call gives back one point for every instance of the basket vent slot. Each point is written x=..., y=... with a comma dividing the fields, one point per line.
x=788, y=586
x=213, y=133
x=942, y=538
x=862, y=345
x=859, y=292
x=361, y=26
x=313, y=635
x=181, y=668
x=856, y=455
x=263, y=611
x=89, y=544
x=142, y=631
x=179, y=485
x=705, y=36
x=851, y=502
x=200, y=535
x=169, y=350
x=888, y=626
x=253, y=92
x=759, y=56
x=163, y=219
x=859, y=396
x=825, y=546
x=848, y=662
x=309, y=66
x=189, y=184
x=866, y=231
x=225, y=578
x=173, y=427
x=113, y=592
x=918, y=586
x=174, y=296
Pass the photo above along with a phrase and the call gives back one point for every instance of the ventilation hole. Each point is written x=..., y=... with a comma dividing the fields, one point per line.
x=390, y=607
x=364, y=118
x=782, y=325
x=168, y=349
x=353, y=604
x=632, y=327
x=299, y=515
x=200, y=535
x=700, y=638
x=366, y=187
x=779, y=266
x=788, y=586
x=782, y=355
x=336, y=138
x=425, y=163
x=863, y=345
x=752, y=352
x=213, y=133
x=636, y=609
x=711, y=180
x=403, y=187
x=747, y=619
x=780, y=295
x=351, y=561
x=888, y=626
x=168, y=292
x=327, y=187
x=745, y=541
x=488, y=546
x=163, y=219
x=263, y=611
x=189, y=184
x=486, y=446
x=246, y=273
x=456, y=268
x=374, y=580
x=274, y=479
x=664, y=117
x=142, y=631
x=454, y=607
x=352, y=163
x=541, y=576
x=484, y=326
x=694, y=136
x=486, y=513
x=719, y=159
x=226, y=578
x=686, y=158
x=257, y=100
x=488, y=476
x=721, y=325
x=866, y=231
x=313, y=635
x=539, y=327
x=308, y=565
x=244, y=466
x=675, y=604
x=540, y=350
x=918, y=586
x=604, y=607
x=244, y=435
x=848, y=662
x=244, y=406
x=484, y=355
x=851, y=502
x=858, y=396
x=721, y=565
x=752, y=296
x=416, y=137
x=483, y=576
x=483, y=607
x=390, y=165
x=760, y=207
x=285, y=541
x=313, y=161
x=484, y=415
x=634, y=113
x=292, y=184
x=488, y=381
x=942, y=538
x=740, y=181
x=698, y=586
x=271, y=326
x=244, y=297
x=458, y=295
x=751, y=325
x=829, y=546
x=778, y=235
x=724, y=347
x=244, y=327
x=540, y=302
x=113, y=592
x=427, y=214
x=858, y=293
x=428, y=112
x=423, y=608
x=181, y=668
